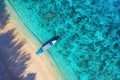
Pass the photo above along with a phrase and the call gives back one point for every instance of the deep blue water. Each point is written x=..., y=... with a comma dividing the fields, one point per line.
x=89, y=46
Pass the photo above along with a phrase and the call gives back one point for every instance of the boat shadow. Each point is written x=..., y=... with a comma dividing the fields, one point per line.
x=53, y=38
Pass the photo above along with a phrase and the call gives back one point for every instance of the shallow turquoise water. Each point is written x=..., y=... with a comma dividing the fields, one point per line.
x=89, y=47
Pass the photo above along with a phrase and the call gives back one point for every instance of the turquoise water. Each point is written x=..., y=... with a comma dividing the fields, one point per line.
x=89, y=46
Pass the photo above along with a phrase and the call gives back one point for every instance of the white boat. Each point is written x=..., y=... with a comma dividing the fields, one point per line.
x=47, y=45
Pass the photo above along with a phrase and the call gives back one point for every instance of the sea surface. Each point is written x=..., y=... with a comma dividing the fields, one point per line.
x=89, y=43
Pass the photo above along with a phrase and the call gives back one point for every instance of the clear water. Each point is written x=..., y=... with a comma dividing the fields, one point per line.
x=89, y=47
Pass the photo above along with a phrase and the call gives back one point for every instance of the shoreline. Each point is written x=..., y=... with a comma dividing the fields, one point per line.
x=45, y=68
x=28, y=30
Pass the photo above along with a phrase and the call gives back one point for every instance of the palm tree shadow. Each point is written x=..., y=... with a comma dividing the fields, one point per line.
x=3, y=14
x=30, y=76
x=12, y=59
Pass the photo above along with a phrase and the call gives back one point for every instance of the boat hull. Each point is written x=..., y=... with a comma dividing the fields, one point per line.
x=45, y=47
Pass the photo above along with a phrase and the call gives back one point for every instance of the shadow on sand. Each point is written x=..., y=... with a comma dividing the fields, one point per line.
x=12, y=60
x=3, y=15
x=12, y=57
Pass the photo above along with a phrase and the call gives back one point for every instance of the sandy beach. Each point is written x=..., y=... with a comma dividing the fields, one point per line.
x=43, y=65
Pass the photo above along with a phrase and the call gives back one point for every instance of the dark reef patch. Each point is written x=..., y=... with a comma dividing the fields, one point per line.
x=118, y=64
x=116, y=45
x=117, y=3
x=118, y=32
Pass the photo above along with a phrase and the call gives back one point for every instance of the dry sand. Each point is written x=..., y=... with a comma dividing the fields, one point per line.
x=42, y=65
